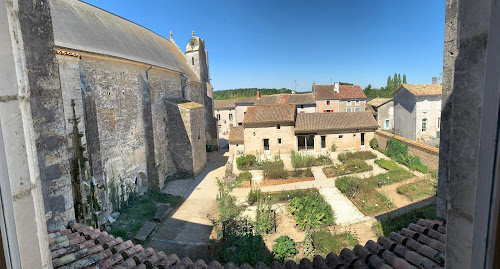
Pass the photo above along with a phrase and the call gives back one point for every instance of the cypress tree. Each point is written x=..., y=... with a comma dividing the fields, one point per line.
x=404, y=79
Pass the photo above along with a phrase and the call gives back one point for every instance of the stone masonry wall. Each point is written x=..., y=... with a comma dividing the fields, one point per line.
x=428, y=155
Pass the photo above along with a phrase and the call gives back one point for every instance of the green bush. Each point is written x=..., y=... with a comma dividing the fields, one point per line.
x=333, y=148
x=325, y=242
x=435, y=174
x=374, y=143
x=387, y=164
x=244, y=176
x=311, y=211
x=284, y=249
x=362, y=155
x=348, y=184
x=264, y=218
x=246, y=162
x=254, y=196
x=308, y=172
x=323, y=159
x=248, y=248
x=397, y=151
x=307, y=160
x=274, y=169
x=414, y=163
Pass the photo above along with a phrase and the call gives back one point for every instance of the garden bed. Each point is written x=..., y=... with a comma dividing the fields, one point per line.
x=395, y=224
x=272, y=182
x=303, y=160
x=350, y=167
x=417, y=189
x=279, y=196
x=325, y=242
x=360, y=155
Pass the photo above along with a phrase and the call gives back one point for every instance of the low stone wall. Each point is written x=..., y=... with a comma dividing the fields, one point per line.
x=428, y=155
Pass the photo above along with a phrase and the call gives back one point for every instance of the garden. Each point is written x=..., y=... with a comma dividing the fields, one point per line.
x=242, y=239
x=352, y=162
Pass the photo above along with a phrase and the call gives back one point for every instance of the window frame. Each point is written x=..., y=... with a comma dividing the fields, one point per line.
x=279, y=141
x=356, y=103
x=230, y=116
x=278, y=126
x=328, y=102
x=423, y=125
x=349, y=109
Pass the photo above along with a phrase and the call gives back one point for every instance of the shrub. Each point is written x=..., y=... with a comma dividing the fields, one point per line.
x=325, y=242
x=244, y=176
x=435, y=174
x=348, y=184
x=374, y=143
x=302, y=160
x=308, y=172
x=246, y=162
x=362, y=155
x=333, y=148
x=264, y=218
x=284, y=248
x=387, y=164
x=396, y=150
x=414, y=163
x=323, y=159
x=254, y=196
x=248, y=248
x=311, y=211
x=274, y=169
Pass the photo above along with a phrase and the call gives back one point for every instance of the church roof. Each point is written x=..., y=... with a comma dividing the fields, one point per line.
x=81, y=26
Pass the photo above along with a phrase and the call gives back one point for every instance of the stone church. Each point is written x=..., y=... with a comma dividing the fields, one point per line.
x=136, y=111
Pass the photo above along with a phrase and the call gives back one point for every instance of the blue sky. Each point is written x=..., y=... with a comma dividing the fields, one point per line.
x=272, y=44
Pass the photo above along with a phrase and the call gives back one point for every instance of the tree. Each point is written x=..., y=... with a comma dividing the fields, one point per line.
x=404, y=79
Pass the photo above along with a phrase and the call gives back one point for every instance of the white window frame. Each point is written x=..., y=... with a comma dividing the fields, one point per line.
x=278, y=126
x=341, y=136
x=356, y=103
x=349, y=109
x=349, y=103
x=279, y=141
x=387, y=124
x=424, y=120
x=321, y=142
x=230, y=116
x=357, y=109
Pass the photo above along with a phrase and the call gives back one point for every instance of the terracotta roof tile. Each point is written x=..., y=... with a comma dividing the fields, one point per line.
x=236, y=134
x=270, y=114
x=224, y=104
x=413, y=247
x=378, y=101
x=282, y=99
x=421, y=89
x=246, y=100
x=339, y=121
x=345, y=92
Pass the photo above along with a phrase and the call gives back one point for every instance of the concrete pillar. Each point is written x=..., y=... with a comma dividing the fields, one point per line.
x=470, y=133
x=34, y=170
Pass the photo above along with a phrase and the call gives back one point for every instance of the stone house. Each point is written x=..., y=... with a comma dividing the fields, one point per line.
x=383, y=112
x=305, y=103
x=225, y=113
x=417, y=111
x=236, y=140
x=339, y=98
x=269, y=129
x=316, y=132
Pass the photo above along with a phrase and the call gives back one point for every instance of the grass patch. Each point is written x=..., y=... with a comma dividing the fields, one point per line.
x=387, y=164
x=417, y=189
x=308, y=160
x=138, y=211
x=325, y=242
x=395, y=224
x=362, y=155
x=278, y=197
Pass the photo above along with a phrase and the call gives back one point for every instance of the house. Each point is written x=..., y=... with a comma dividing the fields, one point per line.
x=241, y=106
x=236, y=141
x=305, y=103
x=225, y=113
x=269, y=129
x=318, y=131
x=339, y=98
x=383, y=112
x=417, y=111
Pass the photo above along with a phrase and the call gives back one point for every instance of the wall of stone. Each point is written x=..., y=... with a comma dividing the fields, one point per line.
x=254, y=143
x=344, y=104
x=386, y=112
x=349, y=140
x=428, y=155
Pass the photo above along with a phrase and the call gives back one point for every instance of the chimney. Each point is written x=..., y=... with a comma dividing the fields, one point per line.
x=435, y=80
x=313, y=90
x=336, y=87
x=258, y=94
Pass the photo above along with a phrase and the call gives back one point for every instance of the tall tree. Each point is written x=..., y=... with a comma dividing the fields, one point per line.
x=404, y=79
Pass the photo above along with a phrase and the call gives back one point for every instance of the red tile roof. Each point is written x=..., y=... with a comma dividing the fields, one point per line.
x=270, y=114
x=224, y=104
x=282, y=99
x=345, y=92
x=335, y=122
x=420, y=245
x=236, y=134
x=421, y=89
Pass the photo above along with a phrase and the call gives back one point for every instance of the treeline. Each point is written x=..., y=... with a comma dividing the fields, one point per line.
x=247, y=92
x=385, y=92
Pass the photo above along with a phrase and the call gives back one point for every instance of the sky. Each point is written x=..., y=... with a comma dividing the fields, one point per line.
x=291, y=44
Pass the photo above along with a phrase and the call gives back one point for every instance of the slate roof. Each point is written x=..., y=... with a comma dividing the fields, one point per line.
x=378, y=101
x=224, y=104
x=421, y=89
x=81, y=26
x=338, y=121
x=345, y=92
x=420, y=245
x=270, y=114
x=236, y=134
x=281, y=99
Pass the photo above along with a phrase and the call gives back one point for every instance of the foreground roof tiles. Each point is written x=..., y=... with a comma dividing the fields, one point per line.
x=420, y=245
x=338, y=121
x=270, y=114
x=236, y=134
x=376, y=102
x=345, y=92
x=421, y=89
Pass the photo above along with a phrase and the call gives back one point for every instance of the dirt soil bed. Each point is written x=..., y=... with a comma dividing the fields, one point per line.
x=330, y=172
